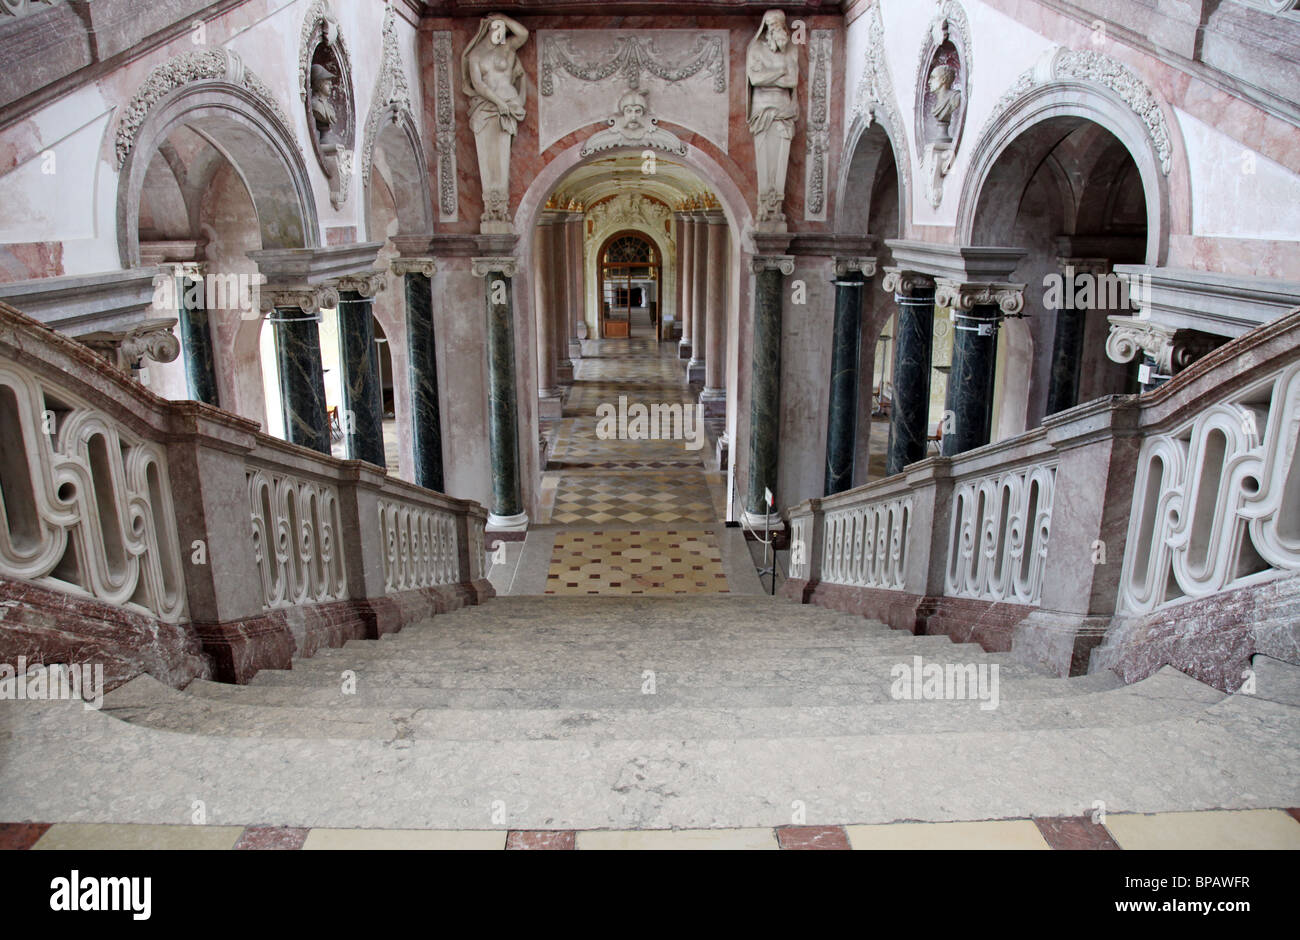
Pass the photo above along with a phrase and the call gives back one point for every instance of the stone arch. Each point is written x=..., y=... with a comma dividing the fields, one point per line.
x=396, y=155
x=214, y=95
x=866, y=148
x=392, y=135
x=1085, y=86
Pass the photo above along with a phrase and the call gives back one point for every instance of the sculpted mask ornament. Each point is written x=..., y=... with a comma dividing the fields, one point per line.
x=634, y=126
x=494, y=82
x=772, y=76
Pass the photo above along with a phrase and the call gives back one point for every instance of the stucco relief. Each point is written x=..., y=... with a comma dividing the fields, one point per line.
x=683, y=72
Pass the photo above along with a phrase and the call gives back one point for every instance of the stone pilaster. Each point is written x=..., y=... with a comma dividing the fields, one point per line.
x=296, y=317
x=422, y=362
x=1067, y=341
x=909, y=414
x=577, y=304
x=978, y=309
x=714, y=395
x=550, y=396
x=765, y=384
x=507, y=512
x=842, y=414
x=559, y=299
x=686, y=276
x=363, y=397
x=195, y=334
x=700, y=273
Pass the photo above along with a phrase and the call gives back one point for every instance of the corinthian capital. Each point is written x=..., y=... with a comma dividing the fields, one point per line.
x=1008, y=298
x=506, y=264
x=310, y=300
x=1131, y=335
x=404, y=266
x=367, y=285
x=783, y=263
x=903, y=283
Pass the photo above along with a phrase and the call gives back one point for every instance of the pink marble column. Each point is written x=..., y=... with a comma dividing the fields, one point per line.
x=561, y=284
x=699, y=297
x=685, y=271
x=548, y=386
x=577, y=283
x=714, y=396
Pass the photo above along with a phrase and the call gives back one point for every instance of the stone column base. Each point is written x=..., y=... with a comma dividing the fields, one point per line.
x=695, y=372
x=684, y=349
x=714, y=401
x=575, y=350
x=515, y=523
x=564, y=372
x=759, y=522
x=550, y=406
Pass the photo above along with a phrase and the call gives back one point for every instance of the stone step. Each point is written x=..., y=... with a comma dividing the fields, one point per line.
x=1164, y=696
x=621, y=674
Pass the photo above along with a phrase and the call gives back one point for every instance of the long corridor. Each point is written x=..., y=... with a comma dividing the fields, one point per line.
x=631, y=508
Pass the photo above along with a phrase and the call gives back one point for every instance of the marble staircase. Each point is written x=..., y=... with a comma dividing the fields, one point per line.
x=540, y=705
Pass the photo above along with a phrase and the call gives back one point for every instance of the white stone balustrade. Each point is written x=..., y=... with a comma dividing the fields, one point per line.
x=296, y=532
x=1216, y=500
x=85, y=504
x=866, y=545
x=999, y=533
x=420, y=546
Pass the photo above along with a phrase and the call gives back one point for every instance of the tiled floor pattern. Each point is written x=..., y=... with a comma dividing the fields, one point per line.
x=592, y=481
x=1213, y=829
x=632, y=497
x=673, y=561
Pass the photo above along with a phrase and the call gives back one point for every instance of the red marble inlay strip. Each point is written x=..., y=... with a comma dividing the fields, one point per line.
x=15, y=837
x=812, y=837
x=272, y=837
x=1074, y=832
x=540, y=839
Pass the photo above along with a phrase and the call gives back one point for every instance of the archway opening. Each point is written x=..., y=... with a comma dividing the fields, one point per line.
x=1070, y=194
x=628, y=266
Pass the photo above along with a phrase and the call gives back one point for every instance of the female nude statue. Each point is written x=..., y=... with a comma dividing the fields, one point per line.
x=493, y=79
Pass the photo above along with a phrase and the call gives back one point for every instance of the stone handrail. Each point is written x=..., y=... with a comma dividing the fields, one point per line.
x=1084, y=538
x=121, y=512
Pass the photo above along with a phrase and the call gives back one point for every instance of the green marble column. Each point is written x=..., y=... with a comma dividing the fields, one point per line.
x=842, y=414
x=195, y=334
x=363, y=398
x=765, y=384
x=909, y=410
x=422, y=360
x=507, y=510
x=302, y=379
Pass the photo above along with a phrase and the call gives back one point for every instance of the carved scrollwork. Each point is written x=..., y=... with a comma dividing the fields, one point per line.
x=403, y=266
x=1008, y=298
x=296, y=529
x=903, y=283
x=782, y=263
x=88, y=506
x=185, y=69
x=420, y=546
x=865, y=545
x=1001, y=525
x=505, y=264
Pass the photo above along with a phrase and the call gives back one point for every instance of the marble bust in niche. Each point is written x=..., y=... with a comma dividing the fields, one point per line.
x=331, y=116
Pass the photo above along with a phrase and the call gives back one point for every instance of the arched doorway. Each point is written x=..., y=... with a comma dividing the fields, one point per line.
x=629, y=272
x=1069, y=193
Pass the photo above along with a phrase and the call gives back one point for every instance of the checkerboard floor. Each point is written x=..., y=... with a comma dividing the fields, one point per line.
x=672, y=561
x=592, y=481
